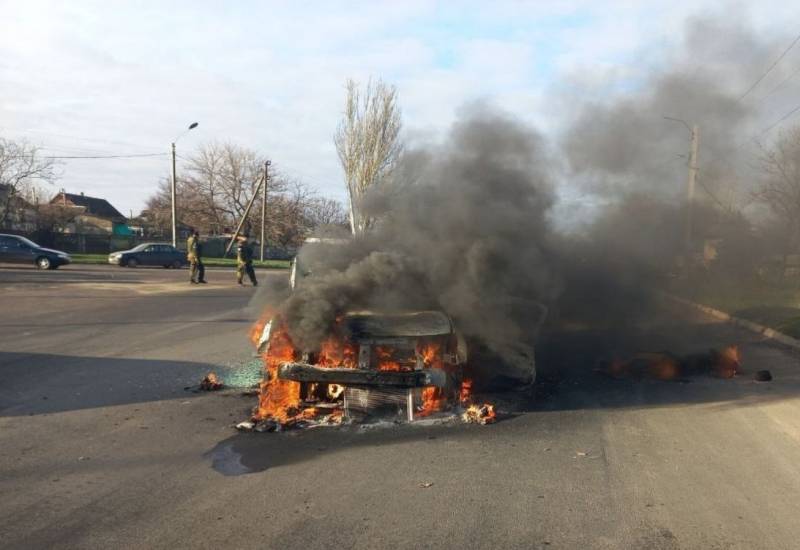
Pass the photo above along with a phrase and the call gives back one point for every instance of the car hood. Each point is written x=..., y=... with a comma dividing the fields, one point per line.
x=121, y=252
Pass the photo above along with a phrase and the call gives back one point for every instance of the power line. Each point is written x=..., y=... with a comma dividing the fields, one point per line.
x=98, y=156
x=76, y=138
x=783, y=118
x=780, y=85
x=774, y=64
x=754, y=137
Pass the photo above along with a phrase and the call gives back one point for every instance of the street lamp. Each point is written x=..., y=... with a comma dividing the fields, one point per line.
x=192, y=126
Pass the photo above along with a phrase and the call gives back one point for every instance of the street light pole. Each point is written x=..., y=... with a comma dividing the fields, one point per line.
x=174, y=202
x=174, y=186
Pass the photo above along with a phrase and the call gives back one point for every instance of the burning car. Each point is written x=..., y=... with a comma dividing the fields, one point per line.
x=400, y=365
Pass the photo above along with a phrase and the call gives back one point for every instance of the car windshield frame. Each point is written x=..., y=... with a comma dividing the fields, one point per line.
x=140, y=247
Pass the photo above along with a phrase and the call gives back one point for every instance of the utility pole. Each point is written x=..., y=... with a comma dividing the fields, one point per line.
x=690, y=184
x=174, y=206
x=244, y=216
x=264, y=206
x=694, y=132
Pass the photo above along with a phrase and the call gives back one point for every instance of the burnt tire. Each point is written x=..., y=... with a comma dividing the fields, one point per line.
x=43, y=262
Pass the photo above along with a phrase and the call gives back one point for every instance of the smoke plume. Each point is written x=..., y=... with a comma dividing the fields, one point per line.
x=466, y=226
x=462, y=228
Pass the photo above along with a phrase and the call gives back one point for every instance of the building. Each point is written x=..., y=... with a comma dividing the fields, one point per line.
x=92, y=215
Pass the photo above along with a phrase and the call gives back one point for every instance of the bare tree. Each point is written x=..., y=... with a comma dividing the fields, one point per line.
x=215, y=186
x=21, y=164
x=325, y=211
x=779, y=189
x=368, y=142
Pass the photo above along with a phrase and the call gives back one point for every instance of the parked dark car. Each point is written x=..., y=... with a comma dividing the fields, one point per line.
x=19, y=250
x=164, y=255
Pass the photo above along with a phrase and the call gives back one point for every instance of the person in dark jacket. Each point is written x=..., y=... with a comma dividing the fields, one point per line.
x=244, y=261
x=194, y=253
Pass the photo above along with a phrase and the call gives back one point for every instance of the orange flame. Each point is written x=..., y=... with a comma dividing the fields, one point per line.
x=335, y=353
x=279, y=398
x=258, y=326
x=465, y=395
x=433, y=398
x=387, y=361
x=480, y=414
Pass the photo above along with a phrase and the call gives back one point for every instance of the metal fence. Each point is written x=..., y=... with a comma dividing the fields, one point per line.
x=73, y=243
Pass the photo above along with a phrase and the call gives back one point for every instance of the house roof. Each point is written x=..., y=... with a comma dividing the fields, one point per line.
x=93, y=205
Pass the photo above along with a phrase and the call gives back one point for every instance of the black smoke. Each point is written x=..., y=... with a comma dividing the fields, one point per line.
x=463, y=228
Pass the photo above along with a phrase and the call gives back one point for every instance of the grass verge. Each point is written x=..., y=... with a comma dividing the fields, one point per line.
x=775, y=306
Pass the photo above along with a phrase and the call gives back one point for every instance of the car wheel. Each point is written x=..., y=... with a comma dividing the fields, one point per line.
x=176, y=264
x=43, y=262
x=132, y=262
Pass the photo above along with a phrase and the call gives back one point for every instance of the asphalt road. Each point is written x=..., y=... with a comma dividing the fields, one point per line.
x=101, y=446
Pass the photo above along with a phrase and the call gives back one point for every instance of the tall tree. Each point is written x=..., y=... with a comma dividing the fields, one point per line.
x=21, y=165
x=368, y=142
x=779, y=188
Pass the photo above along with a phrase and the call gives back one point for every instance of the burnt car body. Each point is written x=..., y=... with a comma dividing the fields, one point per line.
x=513, y=368
x=19, y=250
x=154, y=254
x=398, y=363
x=404, y=363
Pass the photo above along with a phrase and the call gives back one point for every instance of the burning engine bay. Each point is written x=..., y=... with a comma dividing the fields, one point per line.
x=374, y=366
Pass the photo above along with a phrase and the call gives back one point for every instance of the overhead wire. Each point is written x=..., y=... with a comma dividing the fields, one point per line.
x=76, y=138
x=60, y=157
x=769, y=70
x=780, y=84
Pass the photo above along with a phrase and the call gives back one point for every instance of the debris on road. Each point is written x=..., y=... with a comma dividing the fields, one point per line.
x=668, y=367
x=245, y=426
x=211, y=383
x=426, y=484
x=762, y=376
x=479, y=414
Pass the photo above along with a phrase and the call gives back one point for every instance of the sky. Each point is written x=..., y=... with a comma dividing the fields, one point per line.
x=86, y=78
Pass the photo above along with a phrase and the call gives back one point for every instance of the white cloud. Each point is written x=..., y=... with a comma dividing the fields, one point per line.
x=127, y=77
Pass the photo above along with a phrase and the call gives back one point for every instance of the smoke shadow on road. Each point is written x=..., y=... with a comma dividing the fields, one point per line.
x=569, y=376
x=40, y=383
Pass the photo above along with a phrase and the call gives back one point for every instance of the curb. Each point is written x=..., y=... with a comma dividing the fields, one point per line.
x=758, y=328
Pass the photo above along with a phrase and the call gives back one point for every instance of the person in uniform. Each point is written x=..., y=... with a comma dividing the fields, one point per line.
x=194, y=253
x=244, y=261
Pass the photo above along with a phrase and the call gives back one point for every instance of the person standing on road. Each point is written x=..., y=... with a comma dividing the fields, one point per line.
x=244, y=261
x=194, y=253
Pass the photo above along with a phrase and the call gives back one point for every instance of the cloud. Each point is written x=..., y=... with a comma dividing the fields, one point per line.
x=128, y=77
